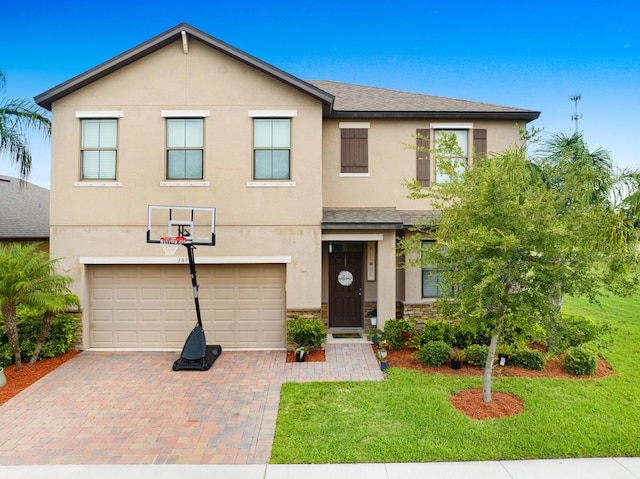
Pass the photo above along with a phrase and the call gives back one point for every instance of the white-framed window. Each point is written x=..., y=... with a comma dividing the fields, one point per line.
x=271, y=148
x=185, y=148
x=98, y=148
x=462, y=158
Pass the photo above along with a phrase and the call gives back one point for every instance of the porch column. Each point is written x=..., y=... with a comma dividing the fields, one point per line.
x=386, y=278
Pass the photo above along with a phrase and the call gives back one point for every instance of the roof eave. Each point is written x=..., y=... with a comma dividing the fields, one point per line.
x=47, y=98
x=360, y=226
x=526, y=116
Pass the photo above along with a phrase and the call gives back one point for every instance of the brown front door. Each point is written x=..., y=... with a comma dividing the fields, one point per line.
x=345, y=290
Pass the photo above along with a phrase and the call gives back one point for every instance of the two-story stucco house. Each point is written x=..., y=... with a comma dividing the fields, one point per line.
x=306, y=178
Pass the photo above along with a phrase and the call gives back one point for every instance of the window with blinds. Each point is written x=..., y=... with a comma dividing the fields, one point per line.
x=99, y=148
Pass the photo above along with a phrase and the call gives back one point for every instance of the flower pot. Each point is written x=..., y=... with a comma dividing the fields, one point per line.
x=3, y=378
x=382, y=353
x=384, y=365
x=456, y=363
x=300, y=356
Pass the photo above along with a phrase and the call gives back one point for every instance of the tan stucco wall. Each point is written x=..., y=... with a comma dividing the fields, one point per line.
x=391, y=162
x=110, y=221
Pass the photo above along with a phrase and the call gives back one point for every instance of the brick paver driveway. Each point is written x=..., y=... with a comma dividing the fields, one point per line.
x=131, y=408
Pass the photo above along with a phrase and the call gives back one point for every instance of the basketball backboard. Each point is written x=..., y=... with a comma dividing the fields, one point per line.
x=196, y=223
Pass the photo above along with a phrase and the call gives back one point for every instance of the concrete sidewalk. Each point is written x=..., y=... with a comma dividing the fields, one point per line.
x=598, y=468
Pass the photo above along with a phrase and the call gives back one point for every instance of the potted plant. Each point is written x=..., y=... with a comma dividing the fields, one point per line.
x=457, y=357
x=301, y=354
x=382, y=350
x=373, y=316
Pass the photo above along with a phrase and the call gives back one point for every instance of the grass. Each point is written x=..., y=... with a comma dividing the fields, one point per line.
x=407, y=417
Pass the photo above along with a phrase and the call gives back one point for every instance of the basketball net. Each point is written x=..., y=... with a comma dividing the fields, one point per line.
x=170, y=244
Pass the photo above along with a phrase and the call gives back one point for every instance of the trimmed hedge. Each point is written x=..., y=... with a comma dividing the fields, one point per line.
x=528, y=359
x=59, y=341
x=476, y=354
x=307, y=333
x=580, y=361
x=434, y=353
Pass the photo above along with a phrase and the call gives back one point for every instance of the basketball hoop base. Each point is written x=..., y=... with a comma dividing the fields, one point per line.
x=212, y=352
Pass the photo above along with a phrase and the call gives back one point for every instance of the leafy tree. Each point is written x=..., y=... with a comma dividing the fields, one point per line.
x=16, y=117
x=507, y=236
x=27, y=277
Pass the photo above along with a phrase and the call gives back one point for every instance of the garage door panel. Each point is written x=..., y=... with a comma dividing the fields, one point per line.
x=150, y=294
x=149, y=306
x=124, y=316
x=127, y=336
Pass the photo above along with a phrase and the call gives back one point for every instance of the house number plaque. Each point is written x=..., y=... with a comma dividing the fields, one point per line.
x=345, y=278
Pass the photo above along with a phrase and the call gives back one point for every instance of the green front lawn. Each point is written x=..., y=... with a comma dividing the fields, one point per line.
x=407, y=417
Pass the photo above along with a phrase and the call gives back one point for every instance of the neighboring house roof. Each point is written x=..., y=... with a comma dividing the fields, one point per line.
x=24, y=210
x=340, y=100
x=371, y=102
x=374, y=218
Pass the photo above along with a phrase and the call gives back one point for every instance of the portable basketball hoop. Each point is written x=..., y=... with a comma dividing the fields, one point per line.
x=170, y=244
x=194, y=226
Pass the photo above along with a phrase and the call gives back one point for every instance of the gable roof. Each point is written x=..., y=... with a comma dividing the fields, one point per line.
x=356, y=101
x=174, y=34
x=24, y=210
x=339, y=100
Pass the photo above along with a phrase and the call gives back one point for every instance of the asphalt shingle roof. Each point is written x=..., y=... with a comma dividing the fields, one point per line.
x=349, y=97
x=24, y=210
x=374, y=218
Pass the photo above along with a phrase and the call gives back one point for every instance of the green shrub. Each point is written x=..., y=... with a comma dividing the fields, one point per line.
x=437, y=331
x=6, y=355
x=393, y=332
x=572, y=330
x=308, y=333
x=476, y=354
x=580, y=361
x=465, y=335
x=59, y=341
x=434, y=353
x=528, y=359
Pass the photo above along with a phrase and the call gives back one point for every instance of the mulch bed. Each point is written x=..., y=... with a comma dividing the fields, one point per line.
x=470, y=401
x=313, y=356
x=19, y=380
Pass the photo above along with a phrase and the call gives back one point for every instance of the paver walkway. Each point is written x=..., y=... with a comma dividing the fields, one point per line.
x=131, y=408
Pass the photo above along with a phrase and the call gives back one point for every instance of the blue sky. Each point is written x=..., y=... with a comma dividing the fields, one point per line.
x=532, y=55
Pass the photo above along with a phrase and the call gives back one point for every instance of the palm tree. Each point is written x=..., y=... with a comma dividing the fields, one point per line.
x=16, y=117
x=587, y=179
x=27, y=277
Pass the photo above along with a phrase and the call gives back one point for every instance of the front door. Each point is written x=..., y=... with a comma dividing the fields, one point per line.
x=345, y=290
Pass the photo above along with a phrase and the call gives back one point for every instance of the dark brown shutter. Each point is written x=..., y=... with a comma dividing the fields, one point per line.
x=423, y=158
x=480, y=143
x=354, y=150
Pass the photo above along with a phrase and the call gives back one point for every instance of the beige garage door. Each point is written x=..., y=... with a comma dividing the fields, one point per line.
x=151, y=306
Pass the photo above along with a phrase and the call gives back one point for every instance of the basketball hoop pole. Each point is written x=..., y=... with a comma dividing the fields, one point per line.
x=194, y=281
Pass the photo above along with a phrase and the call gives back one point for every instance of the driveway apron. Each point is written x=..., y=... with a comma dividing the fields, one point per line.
x=131, y=408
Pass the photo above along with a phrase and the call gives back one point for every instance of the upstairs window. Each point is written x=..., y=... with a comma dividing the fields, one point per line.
x=185, y=148
x=461, y=137
x=99, y=147
x=271, y=148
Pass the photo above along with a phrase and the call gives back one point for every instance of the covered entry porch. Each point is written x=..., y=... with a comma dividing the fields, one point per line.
x=359, y=267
